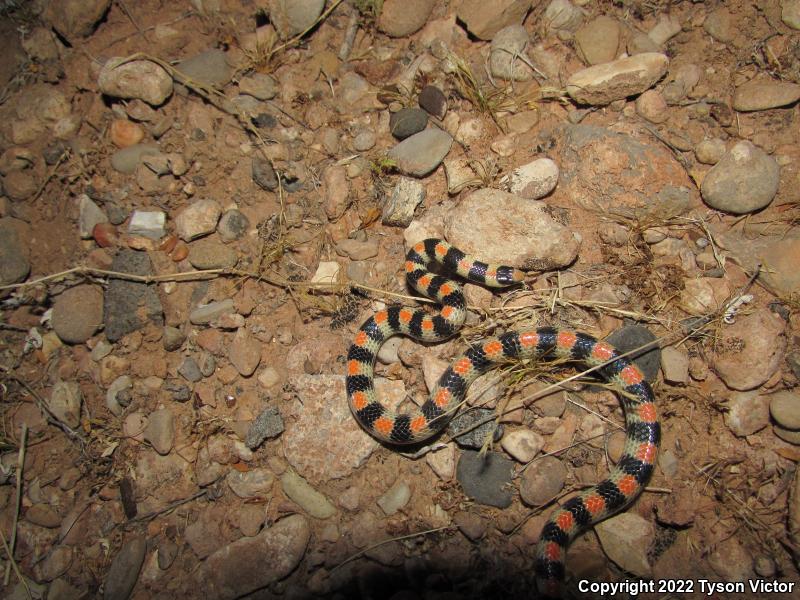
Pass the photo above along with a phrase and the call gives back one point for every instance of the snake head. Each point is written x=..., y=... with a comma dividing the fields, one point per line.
x=509, y=276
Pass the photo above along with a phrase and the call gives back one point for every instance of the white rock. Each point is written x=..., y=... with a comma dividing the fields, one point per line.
x=522, y=444
x=535, y=179
x=327, y=272
x=148, y=223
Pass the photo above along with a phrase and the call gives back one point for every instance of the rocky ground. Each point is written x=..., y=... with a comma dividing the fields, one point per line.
x=202, y=201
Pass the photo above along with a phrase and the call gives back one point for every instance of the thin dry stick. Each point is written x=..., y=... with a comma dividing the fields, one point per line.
x=13, y=564
x=394, y=539
x=18, y=498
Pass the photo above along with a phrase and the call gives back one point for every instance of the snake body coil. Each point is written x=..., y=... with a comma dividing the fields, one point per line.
x=643, y=431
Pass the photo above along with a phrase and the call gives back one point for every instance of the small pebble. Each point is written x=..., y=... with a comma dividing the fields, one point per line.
x=433, y=101
x=395, y=498
x=406, y=122
x=124, y=133
x=268, y=424
x=784, y=407
x=542, y=481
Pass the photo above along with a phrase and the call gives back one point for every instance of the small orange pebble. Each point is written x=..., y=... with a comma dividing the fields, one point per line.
x=105, y=234
x=139, y=242
x=168, y=243
x=125, y=133
x=180, y=252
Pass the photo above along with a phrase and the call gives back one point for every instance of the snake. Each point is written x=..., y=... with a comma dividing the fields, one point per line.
x=642, y=428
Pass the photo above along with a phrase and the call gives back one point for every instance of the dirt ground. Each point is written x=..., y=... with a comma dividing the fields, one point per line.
x=155, y=488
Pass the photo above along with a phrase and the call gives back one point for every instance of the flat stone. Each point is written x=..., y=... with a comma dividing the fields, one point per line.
x=522, y=444
x=603, y=84
x=202, y=315
x=421, y=153
x=160, y=430
x=245, y=352
x=784, y=407
x=486, y=478
x=653, y=184
x=675, y=365
x=290, y=17
x=563, y=15
x=211, y=254
x=433, y=101
x=598, y=40
x=761, y=94
x=667, y=27
x=325, y=441
x=309, y=499
x=14, y=262
x=228, y=573
x=719, y=25
x=75, y=20
x=747, y=413
x=357, y=249
x=209, y=68
x=484, y=19
x=631, y=337
x=65, y=402
x=78, y=313
x=128, y=159
x=626, y=539
x=42, y=515
x=790, y=13
x=474, y=435
x=256, y=483
x=124, y=570
x=395, y=498
x=400, y=18
x=233, y=225
x=542, y=481
x=259, y=85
